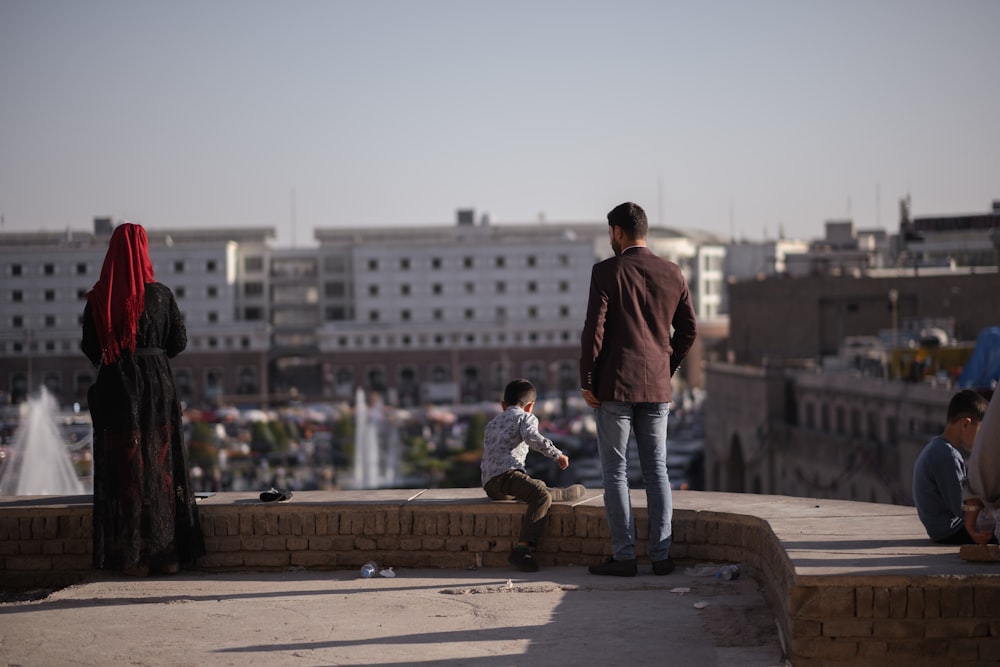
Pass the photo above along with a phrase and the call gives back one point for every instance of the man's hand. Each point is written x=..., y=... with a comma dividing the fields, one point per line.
x=591, y=400
x=978, y=536
x=562, y=461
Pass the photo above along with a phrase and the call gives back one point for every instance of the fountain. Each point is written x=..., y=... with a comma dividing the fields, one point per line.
x=39, y=464
x=376, y=444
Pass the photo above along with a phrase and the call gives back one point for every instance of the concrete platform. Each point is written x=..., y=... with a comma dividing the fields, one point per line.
x=559, y=616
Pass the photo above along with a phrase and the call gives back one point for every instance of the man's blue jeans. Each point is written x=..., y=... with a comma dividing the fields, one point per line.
x=648, y=422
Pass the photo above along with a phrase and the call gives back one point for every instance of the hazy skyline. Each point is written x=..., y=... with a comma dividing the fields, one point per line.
x=738, y=118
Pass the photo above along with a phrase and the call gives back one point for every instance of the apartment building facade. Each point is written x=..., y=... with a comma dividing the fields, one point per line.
x=420, y=314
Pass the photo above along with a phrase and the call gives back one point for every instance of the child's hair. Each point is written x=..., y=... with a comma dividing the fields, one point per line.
x=967, y=403
x=519, y=392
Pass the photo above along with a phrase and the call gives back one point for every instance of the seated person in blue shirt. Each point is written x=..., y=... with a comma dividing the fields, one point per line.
x=940, y=470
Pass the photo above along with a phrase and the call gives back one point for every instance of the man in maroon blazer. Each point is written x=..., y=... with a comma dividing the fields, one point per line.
x=628, y=357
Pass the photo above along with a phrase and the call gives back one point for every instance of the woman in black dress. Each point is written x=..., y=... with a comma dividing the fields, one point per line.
x=145, y=516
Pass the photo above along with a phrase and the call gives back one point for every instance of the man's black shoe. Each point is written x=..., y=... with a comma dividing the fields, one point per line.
x=665, y=566
x=616, y=568
x=523, y=560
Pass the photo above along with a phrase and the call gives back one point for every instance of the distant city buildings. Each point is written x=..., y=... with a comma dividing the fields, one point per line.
x=418, y=314
x=838, y=370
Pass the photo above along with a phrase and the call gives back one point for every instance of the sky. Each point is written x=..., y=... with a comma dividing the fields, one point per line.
x=749, y=118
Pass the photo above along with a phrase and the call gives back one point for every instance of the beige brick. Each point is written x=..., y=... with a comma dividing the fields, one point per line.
x=308, y=523
x=806, y=629
x=864, y=601
x=873, y=650
x=78, y=546
x=432, y=543
x=24, y=528
x=69, y=527
x=267, y=558
x=827, y=649
x=28, y=563
x=297, y=543
x=823, y=602
x=989, y=650
x=966, y=597
x=914, y=602
x=410, y=543
x=897, y=602
x=52, y=547
x=932, y=603
x=312, y=559
x=987, y=601
x=388, y=542
x=223, y=544
x=30, y=547
x=228, y=560
x=274, y=542
x=945, y=628
x=342, y=543
x=897, y=628
x=285, y=521
x=853, y=628
x=963, y=649
x=71, y=562
x=365, y=544
x=271, y=524
x=919, y=651
x=880, y=606
x=252, y=542
x=10, y=547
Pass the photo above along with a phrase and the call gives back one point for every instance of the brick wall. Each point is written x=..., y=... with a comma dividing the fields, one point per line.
x=848, y=618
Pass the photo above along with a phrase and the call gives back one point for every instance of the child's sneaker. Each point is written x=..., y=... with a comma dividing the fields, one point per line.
x=574, y=492
x=523, y=560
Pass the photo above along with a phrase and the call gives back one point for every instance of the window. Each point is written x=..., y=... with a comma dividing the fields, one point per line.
x=501, y=262
x=179, y=266
x=532, y=286
x=252, y=313
x=470, y=314
x=81, y=294
x=17, y=296
x=501, y=287
x=563, y=260
x=470, y=288
x=335, y=289
x=373, y=316
x=563, y=311
x=15, y=269
x=211, y=266
x=253, y=289
x=405, y=315
x=180, y=292
x=438, y=314
x=373, y=265
x=81, y=269
x=532, y=312
x=49, y=269
x=17, y=321
x=501, y=313
x=530, y=260
x=336, y=313
x=253, y=264
x=50, y=321
x=212, y=291
x=404, y=263
x=50, y=295
x=436, y=263
x=373, y=290
x=436, y=288
x=404, y=289
x=563, y=285
x=468, y=263
x=213, y=317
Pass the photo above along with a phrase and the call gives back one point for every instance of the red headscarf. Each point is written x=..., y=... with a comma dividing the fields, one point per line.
x=119, y=296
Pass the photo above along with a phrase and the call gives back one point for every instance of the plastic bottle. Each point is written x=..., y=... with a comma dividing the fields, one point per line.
x=728, y=572
x=704, y=570
x=369, y=569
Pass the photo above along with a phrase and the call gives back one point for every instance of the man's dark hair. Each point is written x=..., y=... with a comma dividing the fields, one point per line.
x=631, y=218
x=967, y=403
x=519, y=392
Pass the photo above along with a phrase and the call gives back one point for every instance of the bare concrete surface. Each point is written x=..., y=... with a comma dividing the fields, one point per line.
x=493, y=617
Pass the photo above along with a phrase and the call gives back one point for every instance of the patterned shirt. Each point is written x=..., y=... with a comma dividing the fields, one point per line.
x=506, y=441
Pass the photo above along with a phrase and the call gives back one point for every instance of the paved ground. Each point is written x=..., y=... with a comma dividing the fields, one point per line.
x=491, y=617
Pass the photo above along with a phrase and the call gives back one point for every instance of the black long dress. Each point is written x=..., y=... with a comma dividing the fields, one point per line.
x=144, y=508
